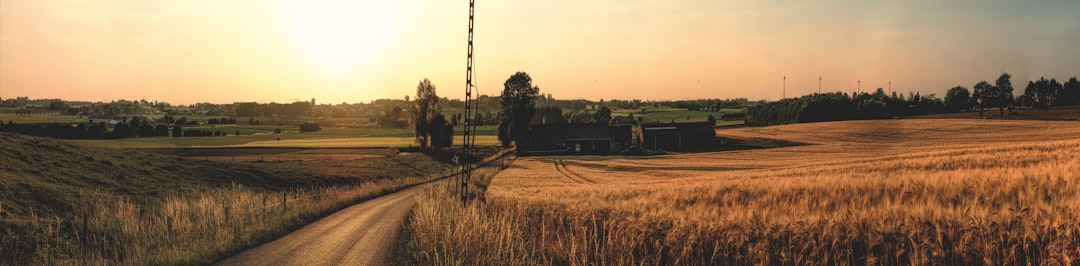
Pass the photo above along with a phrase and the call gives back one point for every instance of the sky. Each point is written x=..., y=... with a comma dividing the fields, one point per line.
x=190, y=51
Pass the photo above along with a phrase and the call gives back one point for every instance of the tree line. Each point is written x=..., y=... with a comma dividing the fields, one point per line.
x=985, y=97
x=133, y=127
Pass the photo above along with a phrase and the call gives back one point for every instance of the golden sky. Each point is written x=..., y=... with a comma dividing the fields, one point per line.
x=187, y=51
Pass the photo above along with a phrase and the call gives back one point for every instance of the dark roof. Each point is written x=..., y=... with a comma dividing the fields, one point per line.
x=573, y=131
x=673, y=127
x=623, y=120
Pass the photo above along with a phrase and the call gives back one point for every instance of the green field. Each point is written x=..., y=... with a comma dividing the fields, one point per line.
x=262, y=135
x=42, y=119
x=665, y=115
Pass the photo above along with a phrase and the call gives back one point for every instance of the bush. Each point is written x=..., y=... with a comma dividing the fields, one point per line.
x=309, y=127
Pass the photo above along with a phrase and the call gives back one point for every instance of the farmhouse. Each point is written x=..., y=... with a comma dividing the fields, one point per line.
x=94, y=120
x=580, y=138
x=676, y=136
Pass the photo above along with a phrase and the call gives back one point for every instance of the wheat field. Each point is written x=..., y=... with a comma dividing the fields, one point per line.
x=970, y=192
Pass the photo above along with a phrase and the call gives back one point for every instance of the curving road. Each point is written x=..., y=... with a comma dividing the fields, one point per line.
x=363, y=234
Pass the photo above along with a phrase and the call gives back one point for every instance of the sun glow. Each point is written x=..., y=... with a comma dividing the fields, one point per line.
x=342, y=37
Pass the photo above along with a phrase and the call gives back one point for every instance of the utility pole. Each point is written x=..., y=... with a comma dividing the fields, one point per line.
x=890, y=87
x=819, y=84
x=858, y=87
x=468, y=138
x=785, y=88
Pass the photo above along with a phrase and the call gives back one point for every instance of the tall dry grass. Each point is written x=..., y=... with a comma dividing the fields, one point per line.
x=185, y=229
x=966, y=204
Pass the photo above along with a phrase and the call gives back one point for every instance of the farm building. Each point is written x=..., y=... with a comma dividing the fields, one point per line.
x=94, y=120
x=676, y=136
x=580, y=138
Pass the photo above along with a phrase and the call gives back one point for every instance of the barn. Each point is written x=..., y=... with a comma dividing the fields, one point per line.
x=676, y=136
x=579, y=139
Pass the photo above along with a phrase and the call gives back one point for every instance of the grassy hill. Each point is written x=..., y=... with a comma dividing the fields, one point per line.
x=51, y=176
x=63, y=202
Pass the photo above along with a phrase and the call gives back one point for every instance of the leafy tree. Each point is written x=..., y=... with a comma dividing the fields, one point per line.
x=1042, y=93
x=518, y=107
x=504, y=133
x=603, y=116
x=548, y=115
x=122, y=130
x=479, y=119
x=1003, y=93
x=177, y=131
x=448, y=136
x=711, y=120
x=425, y=108
x=168, y=119
x=436, y=132
x=983, y=95
x=392, y=117
x=958, y=98
x=1070, y=93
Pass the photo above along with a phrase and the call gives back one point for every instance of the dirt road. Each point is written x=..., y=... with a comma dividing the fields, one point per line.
x=363, y=234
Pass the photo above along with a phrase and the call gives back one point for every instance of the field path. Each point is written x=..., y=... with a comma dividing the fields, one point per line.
x=363, y=234
x=560, y=166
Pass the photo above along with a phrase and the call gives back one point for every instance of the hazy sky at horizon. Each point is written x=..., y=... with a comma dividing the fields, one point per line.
x=349, y=51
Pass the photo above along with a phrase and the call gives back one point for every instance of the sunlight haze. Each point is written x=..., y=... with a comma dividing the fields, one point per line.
x=192, y=51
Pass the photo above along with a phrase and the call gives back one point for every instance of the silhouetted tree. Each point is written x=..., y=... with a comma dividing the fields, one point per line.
x=518, y=106
x=436, y=132
x=957, y=99
x=1070, y=93
x=448, y=136
x=177, y=131
x=479, y=119
x=161, y=130
x=424, y=109
x=603, y=116
x=548, y=115
x=983, y=96
x=504, y=132
x=1003, y=93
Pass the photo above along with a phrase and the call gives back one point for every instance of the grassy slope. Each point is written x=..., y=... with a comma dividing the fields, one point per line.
x=66, y=203
x=51, y=176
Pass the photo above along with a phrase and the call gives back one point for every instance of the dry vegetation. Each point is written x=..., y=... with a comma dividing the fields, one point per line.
x=69, y=204
x=861, y=192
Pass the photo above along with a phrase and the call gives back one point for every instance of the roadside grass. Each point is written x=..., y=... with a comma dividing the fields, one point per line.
x=65, y=203
x=440, y=230
x=191, y=228
x=856, y=196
